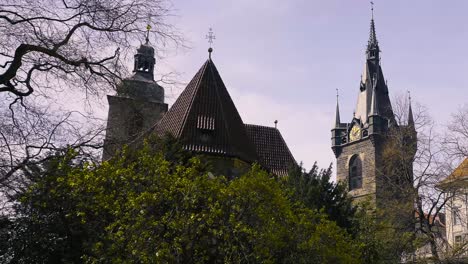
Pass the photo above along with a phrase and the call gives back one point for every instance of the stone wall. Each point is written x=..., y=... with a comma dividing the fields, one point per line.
x=128, y=120
x=366, y=151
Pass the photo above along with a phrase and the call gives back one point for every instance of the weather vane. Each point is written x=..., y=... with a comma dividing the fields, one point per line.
x=409, y=96
x=372, y=9
x=148, y=28
x=337, y=94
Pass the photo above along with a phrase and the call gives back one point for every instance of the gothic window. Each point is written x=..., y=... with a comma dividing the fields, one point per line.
x=355, y=173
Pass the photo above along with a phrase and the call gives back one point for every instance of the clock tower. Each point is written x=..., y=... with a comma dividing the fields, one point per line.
x=362, y=146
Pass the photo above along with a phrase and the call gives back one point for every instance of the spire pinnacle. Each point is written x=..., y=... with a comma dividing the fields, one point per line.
x=373, y=49
x=372, y=35
x=410, y=111
x=148, y=28
x=337, y=113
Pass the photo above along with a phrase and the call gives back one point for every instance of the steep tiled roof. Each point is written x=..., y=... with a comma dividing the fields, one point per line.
x=271, y=148
x=205, y=118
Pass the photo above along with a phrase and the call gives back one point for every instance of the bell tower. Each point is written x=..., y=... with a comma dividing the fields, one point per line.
x=361, y=146
x=137, y=106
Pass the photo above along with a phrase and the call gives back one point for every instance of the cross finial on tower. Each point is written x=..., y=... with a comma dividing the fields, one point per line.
x=409, y=96
x=337, y=94
x=372, y=9
x=148, y=28
x=210, y=37
x=276, y=123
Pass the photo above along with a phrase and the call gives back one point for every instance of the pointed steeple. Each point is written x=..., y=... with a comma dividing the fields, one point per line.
x=410, y=112
x=206, y=120
x=337, y=113
x=373, y=97
x=372, y=36
x=373, y=49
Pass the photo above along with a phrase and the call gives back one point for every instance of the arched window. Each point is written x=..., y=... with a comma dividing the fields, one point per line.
x=355, y=173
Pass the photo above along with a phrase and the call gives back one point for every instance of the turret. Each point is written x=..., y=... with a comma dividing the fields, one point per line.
x=137, y=106
x=339, y=129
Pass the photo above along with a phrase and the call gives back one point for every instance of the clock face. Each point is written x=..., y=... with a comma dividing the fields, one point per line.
x=355, y=133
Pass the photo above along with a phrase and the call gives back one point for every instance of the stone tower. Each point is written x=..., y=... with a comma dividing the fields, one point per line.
x=137, y=106
x=364, y=163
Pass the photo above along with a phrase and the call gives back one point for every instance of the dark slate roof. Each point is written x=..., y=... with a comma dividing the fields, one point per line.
x=271, y=148
x=205, y=118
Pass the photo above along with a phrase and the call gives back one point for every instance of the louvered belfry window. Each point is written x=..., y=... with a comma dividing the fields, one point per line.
x=206, y=122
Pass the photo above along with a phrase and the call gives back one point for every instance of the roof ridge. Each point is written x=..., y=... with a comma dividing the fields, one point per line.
x=194, y=95
x=260, y=126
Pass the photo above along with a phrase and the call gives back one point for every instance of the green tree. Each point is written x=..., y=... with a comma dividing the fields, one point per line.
x=317, y=192
x=142, y=208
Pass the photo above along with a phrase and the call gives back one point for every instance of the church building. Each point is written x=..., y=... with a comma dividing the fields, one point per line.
x=204, y=118
x=361, y=147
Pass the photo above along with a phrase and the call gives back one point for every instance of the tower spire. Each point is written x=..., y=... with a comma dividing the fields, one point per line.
x=337, y=114
x=372, y=45
x=410, y=111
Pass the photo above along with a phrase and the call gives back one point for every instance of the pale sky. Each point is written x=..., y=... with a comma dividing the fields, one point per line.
x=284, y=59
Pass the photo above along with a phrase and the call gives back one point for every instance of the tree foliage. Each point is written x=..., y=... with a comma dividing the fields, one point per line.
x=142, y=208
x=318, y=192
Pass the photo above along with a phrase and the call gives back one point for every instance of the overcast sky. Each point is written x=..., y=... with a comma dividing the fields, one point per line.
x=284, y=59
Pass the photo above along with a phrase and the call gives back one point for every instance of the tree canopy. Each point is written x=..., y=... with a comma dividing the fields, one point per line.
x=143, y=208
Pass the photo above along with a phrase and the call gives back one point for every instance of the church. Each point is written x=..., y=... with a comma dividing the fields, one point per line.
x=204, y=118
x=374, y=154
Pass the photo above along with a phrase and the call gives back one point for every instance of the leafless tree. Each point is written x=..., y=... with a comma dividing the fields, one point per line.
x=30, y=133
x=80, y=42
x=424, y=174
x=53, y=50
x=456, y=138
